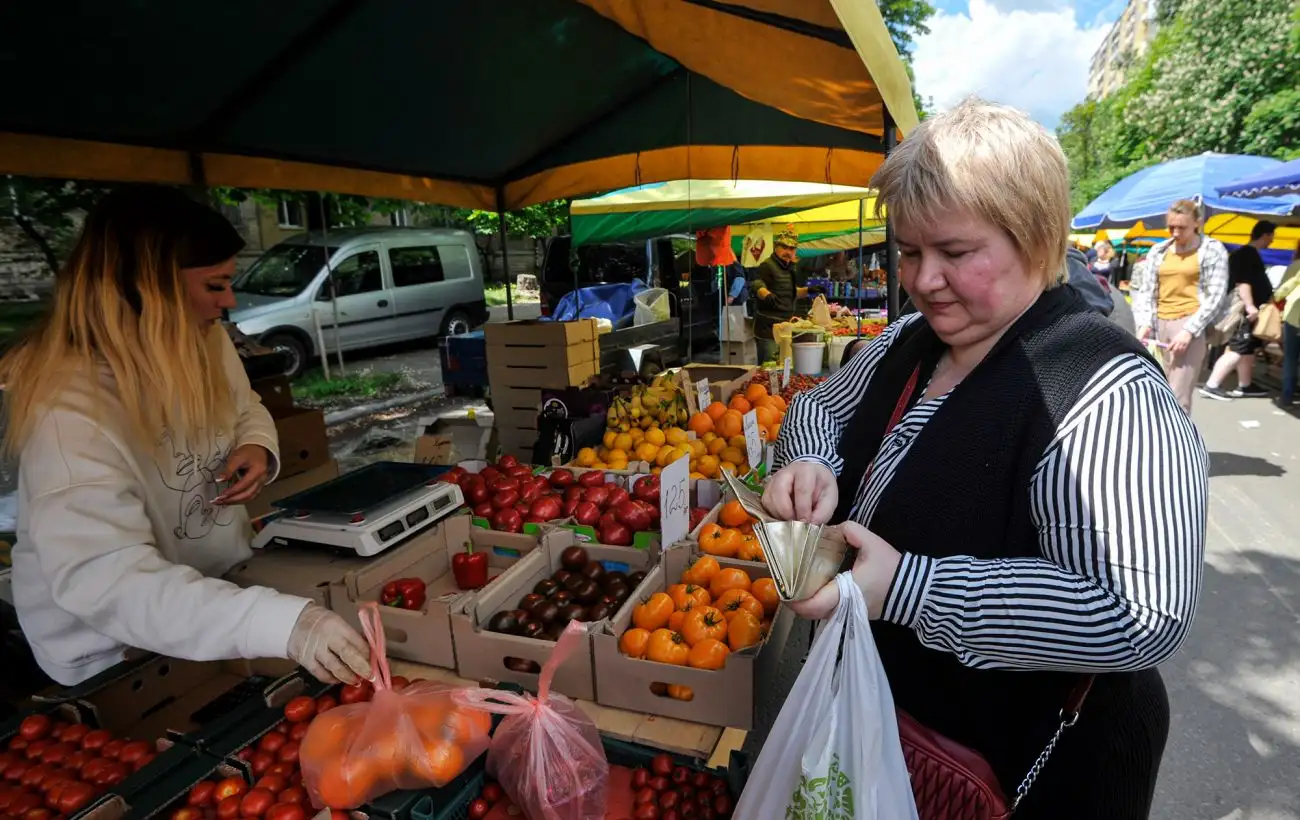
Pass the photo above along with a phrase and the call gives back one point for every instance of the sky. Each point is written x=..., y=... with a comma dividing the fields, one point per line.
x=1032, y=54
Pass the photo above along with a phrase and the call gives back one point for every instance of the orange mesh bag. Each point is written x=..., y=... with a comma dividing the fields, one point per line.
x=414, y=738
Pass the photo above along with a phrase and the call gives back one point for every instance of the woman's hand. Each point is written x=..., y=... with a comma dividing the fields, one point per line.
x=802, y=491
x=873, y=571
x=1180, y=342
x=250, y=464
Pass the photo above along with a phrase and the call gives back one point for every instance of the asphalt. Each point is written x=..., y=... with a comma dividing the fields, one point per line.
x=1234, y=746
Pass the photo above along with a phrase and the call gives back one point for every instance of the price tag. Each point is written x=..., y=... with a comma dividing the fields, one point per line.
x=675, y=501
x=753, y=441
x=702, y=397
x=785, y=373
x=774, y=378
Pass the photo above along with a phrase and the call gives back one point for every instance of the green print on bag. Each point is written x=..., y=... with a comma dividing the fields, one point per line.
x=823, y=798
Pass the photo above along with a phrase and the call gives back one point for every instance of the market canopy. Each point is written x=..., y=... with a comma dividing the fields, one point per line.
x=1278, y=180
x=1145, y=196
x=682, y=206
x=827, y=229
x=492, y=104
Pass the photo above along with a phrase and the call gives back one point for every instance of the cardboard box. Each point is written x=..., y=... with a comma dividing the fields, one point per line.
x=304, y=443
x=545, y=334
x=516, y=398
x=724, y=379
x=455, y=436
x=274, y=391
x=538, y=355
x=284, y=487
x=518, y=443
x=745, y=352
x=482, y=655
x=555, y=376
x=723, y=697
x=511, y=419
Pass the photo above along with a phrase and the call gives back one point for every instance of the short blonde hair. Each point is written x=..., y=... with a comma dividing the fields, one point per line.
x=1187, y=207
x=990, y=160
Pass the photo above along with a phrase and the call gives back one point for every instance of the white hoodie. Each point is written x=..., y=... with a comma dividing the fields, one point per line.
x=120, y=546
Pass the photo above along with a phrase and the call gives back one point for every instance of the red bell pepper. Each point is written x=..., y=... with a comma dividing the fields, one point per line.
x=403, y=593
x=470, y=568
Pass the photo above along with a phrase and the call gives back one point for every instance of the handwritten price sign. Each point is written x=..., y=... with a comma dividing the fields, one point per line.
x=702, y=399
x=785, y=373
x=675, y=501
x=753, y=440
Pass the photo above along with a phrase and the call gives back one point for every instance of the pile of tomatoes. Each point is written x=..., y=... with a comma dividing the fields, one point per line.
x=732, y=536
x=666, y=791
x=713, y=612
x=55, y=769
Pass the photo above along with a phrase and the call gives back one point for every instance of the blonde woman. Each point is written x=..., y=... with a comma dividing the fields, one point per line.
x=1182, y=292
x=129, y=410
x=984, y=454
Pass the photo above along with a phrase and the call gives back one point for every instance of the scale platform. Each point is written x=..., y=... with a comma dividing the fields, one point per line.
x=365, y=511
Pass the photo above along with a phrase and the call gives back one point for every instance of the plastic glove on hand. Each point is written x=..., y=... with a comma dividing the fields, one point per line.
x=324, y=645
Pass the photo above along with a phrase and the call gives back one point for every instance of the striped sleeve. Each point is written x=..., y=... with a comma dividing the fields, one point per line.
x=1119, y=499
x=812, y=427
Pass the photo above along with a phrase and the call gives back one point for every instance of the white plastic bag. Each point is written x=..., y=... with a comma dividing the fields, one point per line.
x=651, y=306
x=839, y=757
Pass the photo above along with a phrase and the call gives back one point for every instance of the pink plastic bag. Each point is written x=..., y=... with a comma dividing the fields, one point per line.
x=414, y=738
x=547, y=753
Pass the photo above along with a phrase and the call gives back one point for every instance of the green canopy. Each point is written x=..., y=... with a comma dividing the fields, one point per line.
x=492, y=104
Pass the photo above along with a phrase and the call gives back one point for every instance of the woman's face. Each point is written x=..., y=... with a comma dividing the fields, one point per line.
x=965, y=275
x=209, y=290
x=1182, y=227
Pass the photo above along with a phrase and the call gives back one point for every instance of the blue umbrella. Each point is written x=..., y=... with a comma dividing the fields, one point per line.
x=1146, y=195
x=1279, y=180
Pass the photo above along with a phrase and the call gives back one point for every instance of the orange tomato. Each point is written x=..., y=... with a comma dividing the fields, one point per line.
x=653, y=613
x=716, y=410
x=687, y=596
x=666, y=646
x=718, y=540
x=634, y=642
x=743, y=631
x=733, y=514
x=740, y=404
x=341, y=785
x=676, y=620
x=726, y=579
x=764, y=589
x=730, y=424
x=738, y=600
x=756, y=393
x=702, y=623
x=466, y=726
x=701, y=423
x=439, y=764
x=708, y=654
x=749, y=549
x=329, y=736
x=702, y=571
x=678, y=692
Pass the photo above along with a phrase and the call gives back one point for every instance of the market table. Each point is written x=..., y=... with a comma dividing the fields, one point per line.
x=713, y=744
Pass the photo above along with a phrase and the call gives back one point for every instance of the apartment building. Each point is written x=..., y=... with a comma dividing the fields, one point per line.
x=1127, y=41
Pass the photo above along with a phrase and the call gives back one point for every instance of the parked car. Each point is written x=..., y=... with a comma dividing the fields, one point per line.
x=389, y=285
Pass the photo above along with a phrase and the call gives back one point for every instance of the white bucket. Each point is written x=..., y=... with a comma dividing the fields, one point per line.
x=808, y=358
x=836, y=348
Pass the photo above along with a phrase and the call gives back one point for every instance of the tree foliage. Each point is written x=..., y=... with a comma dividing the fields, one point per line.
x=1222, y=75
x=43, y=210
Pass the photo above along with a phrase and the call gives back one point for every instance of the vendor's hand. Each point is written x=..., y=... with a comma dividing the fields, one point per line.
x=802, y=491
x=324, y=645
x=873, y=571
x=249, y=463
x=1144, y=335
x=1180, y=342
x=1252, y=312
x=729, y=300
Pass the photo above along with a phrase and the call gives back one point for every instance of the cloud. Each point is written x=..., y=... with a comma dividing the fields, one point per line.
x=1031, y=54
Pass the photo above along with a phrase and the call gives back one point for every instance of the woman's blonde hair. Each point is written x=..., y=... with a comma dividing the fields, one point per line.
x=1188, y=207
x=992, y=161
x=121, y=302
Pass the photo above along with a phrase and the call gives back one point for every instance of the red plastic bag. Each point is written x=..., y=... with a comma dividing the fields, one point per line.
x=414, y=738
x=547, y=753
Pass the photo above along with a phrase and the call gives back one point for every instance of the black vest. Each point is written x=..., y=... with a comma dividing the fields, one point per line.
x=964, y=490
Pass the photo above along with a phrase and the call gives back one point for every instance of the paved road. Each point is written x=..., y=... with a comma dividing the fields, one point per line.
x=1234, y=748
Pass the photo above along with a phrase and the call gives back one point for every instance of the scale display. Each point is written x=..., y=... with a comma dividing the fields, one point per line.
x=365, y=511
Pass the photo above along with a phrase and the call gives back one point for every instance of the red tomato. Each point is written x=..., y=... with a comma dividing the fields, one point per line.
x=133, y=751
x=293, y=794
x=286, y=811
x=261, y=762
x=285, y=770
x=230, y=787
x=245, y=754
x=299, y=731
x=56, y=731
x=187, y=813
x=646, y=811
x=23, y=802
x=301, y=708
x=271, y=743
x=255, y=803
x=479, y=809
x=17, y=744
x=113, y=748
x=57, y=754
x=94, y=768
x=38, y=813
x=492, y=792
x=201, y=795
x=324, y=703
x=75, y=796
x=662, y=765
x=35, y=776
x=36, y=748
x=288, y=753
x=282, y=727
x=35, y=727
x=15, y=771
x=360, y=693
x=399, y=683
x=228, y=807
x=75, y=733
x=95, y=739
x=6, y=797
x=115, y=772
x=273, y=783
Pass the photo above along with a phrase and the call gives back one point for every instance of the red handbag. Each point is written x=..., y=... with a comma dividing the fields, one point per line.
x=953, y=782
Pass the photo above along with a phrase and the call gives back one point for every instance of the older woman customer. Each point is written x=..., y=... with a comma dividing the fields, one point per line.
x=1182, y=292
x=1026, y=496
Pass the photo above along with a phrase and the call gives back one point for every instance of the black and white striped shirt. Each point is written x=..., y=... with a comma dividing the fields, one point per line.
x=1119, y=499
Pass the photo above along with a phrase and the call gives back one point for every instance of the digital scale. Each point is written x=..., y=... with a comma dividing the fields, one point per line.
x=365, y=511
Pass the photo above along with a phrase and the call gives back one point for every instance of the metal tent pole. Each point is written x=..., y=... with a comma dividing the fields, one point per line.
x=505, y=254
x=891, y=253
x=329, y=277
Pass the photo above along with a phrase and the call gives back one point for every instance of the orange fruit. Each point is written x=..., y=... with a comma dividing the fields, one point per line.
x=773, y=431
x=732, y=455
x=765, y=416
x=701, y=423
x=655, y=436
x=717, y=445
x=716, y=410
x=755, y=392
x=708, y=465
x=733, y=514
x=731, y=424
x=737, y=441
x=780, y=403
x=739, y=403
